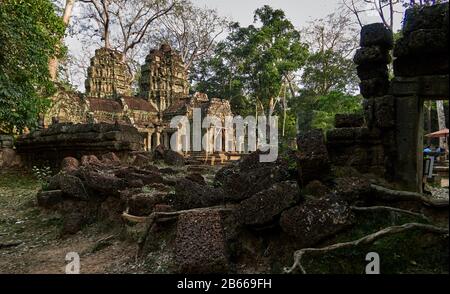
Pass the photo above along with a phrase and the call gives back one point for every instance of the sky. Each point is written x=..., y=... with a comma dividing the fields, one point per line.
x=299, y=12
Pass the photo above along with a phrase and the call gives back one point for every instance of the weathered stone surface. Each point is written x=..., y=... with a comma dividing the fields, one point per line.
x=9, y=158
x=69, y=164
x=111, y=158
x=374, y=87
x=76, y=140
x=189, y=194
x=432, y=87
x=374, y=55
x=316, y=220
x=169, y=171
x=385, y=112
x=348, y=120
x=249, y=176
x=103, y=185
x=173, y=158
x=351, y=189
x=200, y=243
x=6, y=141
x=141, y=160
x=108, y=75
x=196, y=177
x=376, y=34
x=422, y=42
x=263, y=207
x=87, y=160
x=148, y=176
x=73, y=223
x=422, y=66
x=312, y=157
x=70, y=186
x=164, y=78
x=368, y=109
x=49, y=199
x=111, y=210
x=408, y=161
x=426, y=17
x=367, y=72
x=350, y=136
x=315, y=188
x=143, y=204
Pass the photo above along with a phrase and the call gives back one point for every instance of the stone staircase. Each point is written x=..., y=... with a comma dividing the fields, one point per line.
x=213, y=159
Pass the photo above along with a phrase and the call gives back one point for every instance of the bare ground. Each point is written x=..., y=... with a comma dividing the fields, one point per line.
x=30, y=240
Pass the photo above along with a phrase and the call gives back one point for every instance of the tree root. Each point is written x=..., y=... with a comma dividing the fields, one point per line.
x=388, y=208
x=364, y=240
x=396, y=195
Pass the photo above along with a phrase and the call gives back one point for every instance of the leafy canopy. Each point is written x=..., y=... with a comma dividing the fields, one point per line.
x=30, y=33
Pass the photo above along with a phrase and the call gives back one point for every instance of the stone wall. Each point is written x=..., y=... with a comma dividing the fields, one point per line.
x=390, y=140
x=51, y=145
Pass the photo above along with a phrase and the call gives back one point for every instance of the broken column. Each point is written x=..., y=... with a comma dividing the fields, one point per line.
x=372, y=60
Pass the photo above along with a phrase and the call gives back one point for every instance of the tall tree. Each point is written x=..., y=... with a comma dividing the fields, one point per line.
x=269, y=52
x=30, y=34
x=123, y=24
x=191, y=30
x=53, y=63
x=329, y=77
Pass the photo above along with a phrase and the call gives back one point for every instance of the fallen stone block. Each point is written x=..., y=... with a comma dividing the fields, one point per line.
x=316, y=220
x=200, y=244
x=263, y=207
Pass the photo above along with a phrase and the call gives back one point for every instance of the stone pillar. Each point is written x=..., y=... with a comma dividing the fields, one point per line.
x=149, y=141
x=158, y=138
x=409, y=140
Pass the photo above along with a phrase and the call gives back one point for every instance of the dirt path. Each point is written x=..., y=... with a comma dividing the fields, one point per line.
x=41, y=249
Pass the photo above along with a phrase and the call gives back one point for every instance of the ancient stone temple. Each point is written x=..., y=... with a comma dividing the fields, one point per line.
x=163, y=94
x=164, y=78
x=108, y=75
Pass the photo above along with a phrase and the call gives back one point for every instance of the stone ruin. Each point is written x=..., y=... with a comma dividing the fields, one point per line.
x=8, y=156
x=388, y=139
x=49, y=146
x=108, y=75
x=164, y=78
x=163, y=93
x=252, y=216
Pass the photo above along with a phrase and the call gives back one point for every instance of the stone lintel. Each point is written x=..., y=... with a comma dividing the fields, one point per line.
x=426, y=87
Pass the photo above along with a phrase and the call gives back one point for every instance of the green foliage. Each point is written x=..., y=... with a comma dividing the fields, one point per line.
x=327, y=71
x=319, y=111
x=30, y=33
x=251, y=64
x=43, y=175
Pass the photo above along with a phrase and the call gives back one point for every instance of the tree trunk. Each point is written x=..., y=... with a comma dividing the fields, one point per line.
x=53, y=62
x=441, y=121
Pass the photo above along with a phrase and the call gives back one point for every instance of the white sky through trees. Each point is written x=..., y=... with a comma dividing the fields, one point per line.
x=299, y=12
